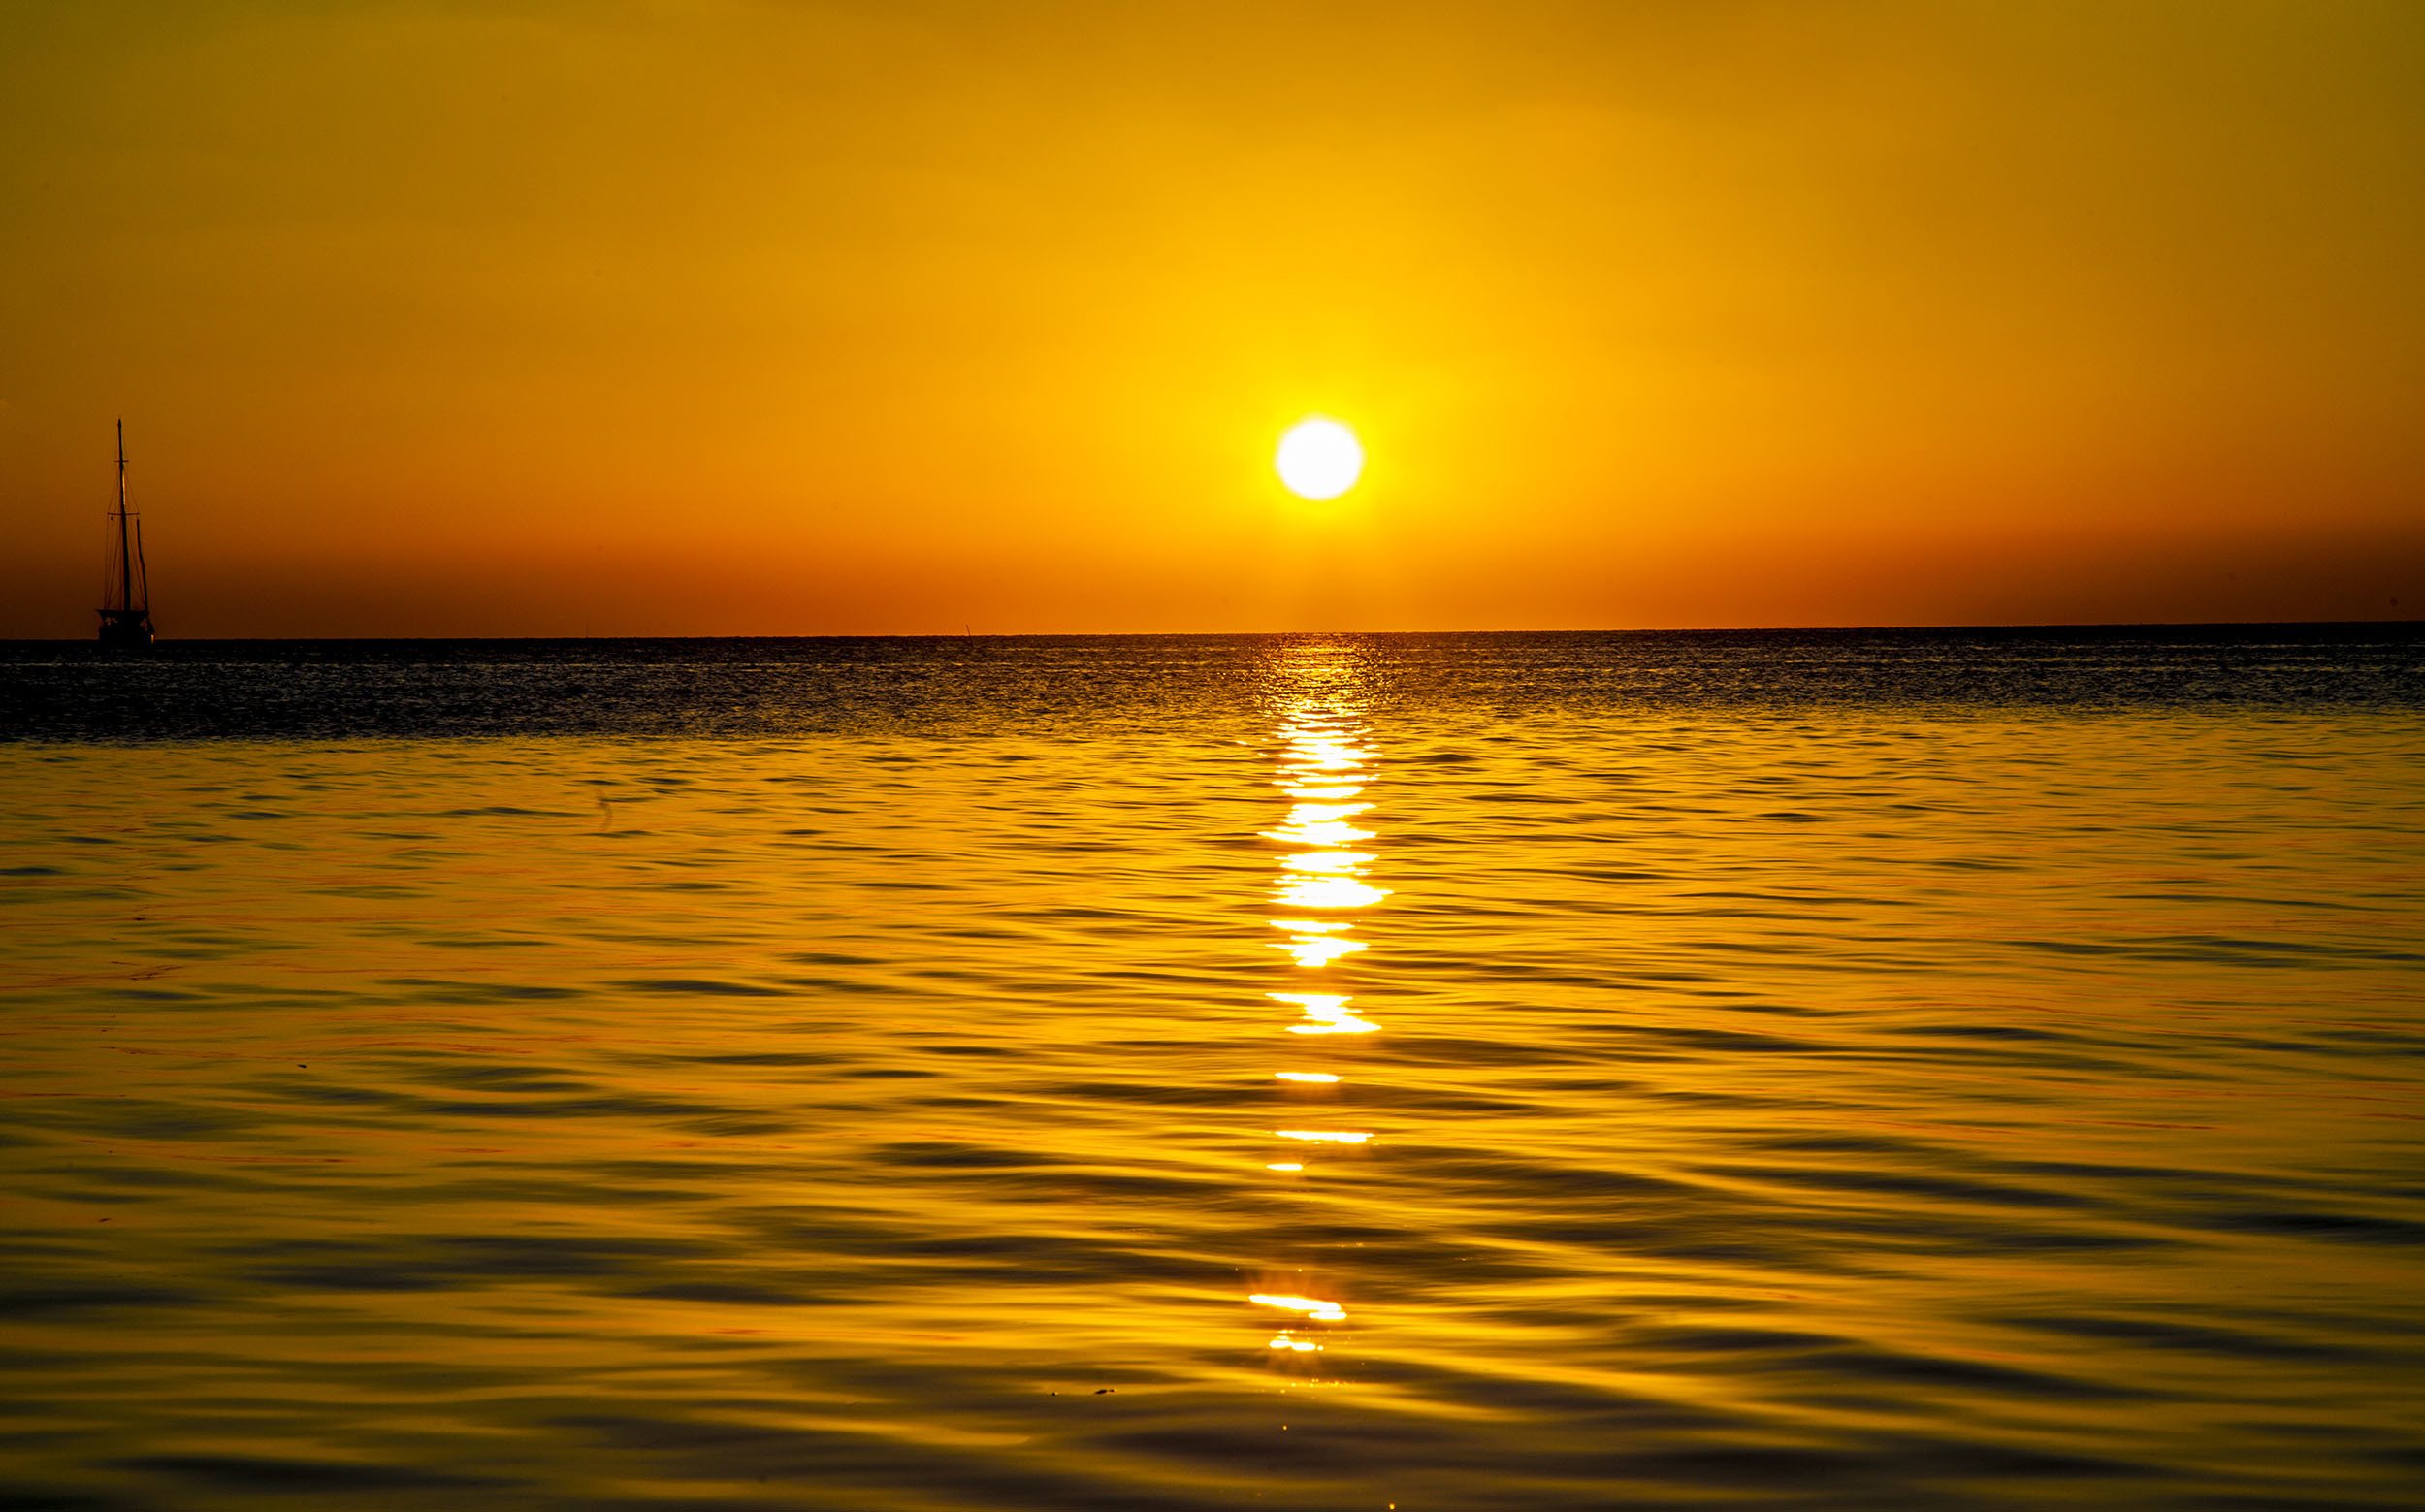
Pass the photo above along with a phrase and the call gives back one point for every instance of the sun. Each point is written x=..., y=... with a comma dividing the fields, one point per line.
x=1320, y=458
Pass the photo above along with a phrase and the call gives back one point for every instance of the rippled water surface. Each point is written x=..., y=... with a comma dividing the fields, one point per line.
x=1448, y=1073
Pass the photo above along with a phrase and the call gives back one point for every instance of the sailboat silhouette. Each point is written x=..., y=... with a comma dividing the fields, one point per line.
x=126, y=595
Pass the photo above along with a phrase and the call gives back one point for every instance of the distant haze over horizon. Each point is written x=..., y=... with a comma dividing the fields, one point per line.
x=744, y=318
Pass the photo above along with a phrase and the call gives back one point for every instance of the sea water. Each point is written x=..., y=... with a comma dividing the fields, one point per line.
x=1858, y=1070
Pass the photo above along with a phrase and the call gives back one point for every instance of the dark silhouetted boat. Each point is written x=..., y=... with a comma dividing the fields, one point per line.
x=126, y=598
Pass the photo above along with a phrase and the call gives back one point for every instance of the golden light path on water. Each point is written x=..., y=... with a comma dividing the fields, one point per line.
x=1324, y=763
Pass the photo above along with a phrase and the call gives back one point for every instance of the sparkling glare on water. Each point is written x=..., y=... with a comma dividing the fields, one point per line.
x=1456, y=1072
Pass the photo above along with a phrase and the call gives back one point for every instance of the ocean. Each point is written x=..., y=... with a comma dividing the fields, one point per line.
x=1797, y=1070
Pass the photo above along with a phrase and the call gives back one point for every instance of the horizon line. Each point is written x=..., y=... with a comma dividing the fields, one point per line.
x=1734, y=629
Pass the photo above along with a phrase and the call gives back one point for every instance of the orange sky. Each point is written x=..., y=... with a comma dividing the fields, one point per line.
x=734, y=317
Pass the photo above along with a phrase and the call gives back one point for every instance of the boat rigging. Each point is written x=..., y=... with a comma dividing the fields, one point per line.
x=126, y=594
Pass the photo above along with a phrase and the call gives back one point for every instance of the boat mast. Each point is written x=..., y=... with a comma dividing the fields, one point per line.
x=126, y=560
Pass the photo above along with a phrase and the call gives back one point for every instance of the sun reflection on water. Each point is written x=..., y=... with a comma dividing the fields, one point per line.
x=1319, y=951
x=1321, y=790
x=1311, y=1306
x=1328, y=861
x=1324, y=763
x=1325, y=1014
x=1314, y=892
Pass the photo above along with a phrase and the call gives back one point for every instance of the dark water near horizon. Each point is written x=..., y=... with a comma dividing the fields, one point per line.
x=1858, y=1070
x=952, y=685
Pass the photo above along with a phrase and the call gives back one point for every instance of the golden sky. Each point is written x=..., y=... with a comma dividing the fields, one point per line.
x=737, y=317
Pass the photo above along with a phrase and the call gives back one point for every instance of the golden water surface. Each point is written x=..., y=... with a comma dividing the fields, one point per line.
x=1328, y=1105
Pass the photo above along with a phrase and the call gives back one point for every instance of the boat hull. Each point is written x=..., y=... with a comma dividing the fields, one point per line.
x=120, y=628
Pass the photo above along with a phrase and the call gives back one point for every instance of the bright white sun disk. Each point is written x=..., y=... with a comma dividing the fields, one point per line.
x=1320, y=458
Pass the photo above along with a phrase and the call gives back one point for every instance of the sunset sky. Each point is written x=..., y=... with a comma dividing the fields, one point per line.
x=726, y=317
